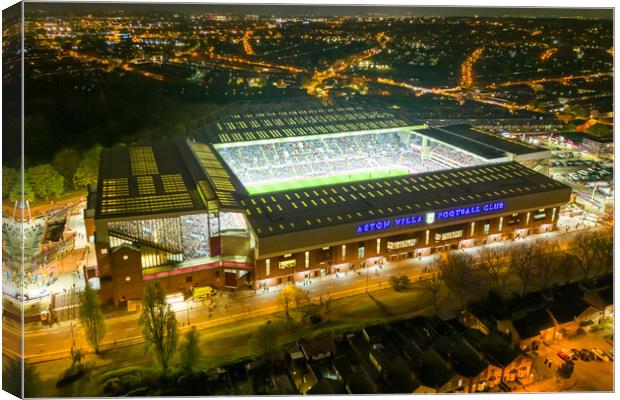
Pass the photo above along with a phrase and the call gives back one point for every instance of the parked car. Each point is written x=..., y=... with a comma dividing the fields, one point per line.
x=599, y=355
x=563, y=355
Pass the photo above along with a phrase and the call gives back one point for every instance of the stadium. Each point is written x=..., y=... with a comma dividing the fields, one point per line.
x=268, y=194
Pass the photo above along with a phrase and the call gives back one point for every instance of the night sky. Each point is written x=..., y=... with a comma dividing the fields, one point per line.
x=286, y=10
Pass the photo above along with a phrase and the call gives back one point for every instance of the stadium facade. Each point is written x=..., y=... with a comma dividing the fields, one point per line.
x=260, y=197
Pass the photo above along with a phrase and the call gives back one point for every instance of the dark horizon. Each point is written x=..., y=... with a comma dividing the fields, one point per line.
x=328, y=10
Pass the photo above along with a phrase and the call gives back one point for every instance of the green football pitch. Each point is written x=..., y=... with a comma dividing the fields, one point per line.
x=299, y=183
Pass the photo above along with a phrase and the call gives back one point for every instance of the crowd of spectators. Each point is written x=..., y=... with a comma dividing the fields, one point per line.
x=189, y=233
x=195, y=236
x=262, y=163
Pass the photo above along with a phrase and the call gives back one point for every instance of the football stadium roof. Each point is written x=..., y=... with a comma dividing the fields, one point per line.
x=310, y=208
x=483, y=144
x=264, y=122
x=143, y=180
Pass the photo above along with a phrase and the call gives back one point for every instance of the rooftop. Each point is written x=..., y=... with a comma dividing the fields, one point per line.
x=302, y=209
x=482, y=144
x=144, y=180
x=259, y=121
x=533, y=323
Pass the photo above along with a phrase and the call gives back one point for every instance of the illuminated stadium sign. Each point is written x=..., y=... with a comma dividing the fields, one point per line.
x=430, y=217
x=473, y=210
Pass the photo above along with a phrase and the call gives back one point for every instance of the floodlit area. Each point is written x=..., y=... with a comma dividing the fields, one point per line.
x=275, y=165
x=184, y=238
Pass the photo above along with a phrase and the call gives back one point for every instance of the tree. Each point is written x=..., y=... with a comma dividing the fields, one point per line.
x=457, y=274
x=433, y=286
x=606, y=253
x=264, y=341
x=567, y=264
x=586, y=248
x=66, y=162
x=16, y=191
x=12, y=379
x=521, y=263
x=189, y=351
x=159, y=324
x=87, y=170
x=45, y=181
x=9, y=176
x=301, y=297
x=399, y=283
x=91, y=317
x=545, y=262
x=287, y=296
x=493, y=264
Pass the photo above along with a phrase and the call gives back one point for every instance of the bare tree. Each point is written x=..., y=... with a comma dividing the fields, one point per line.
x=606, y=251
x=566, y=266
x=545, y=261
x=301, y=297
x=593, y=253
x=520, y=262
x=457, y=274
x=433, y=286
x=493, y=264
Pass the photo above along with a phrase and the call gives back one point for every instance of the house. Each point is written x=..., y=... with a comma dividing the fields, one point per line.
x=503, y=352
x=282, y=385
x=603, y=301
x=436, y=374
x=361, y=348
x=303, y=376
x=328, y=386
x=468, y=362
x=570, y=313
x=353, y=376
x=530, y=330
x=318, y=348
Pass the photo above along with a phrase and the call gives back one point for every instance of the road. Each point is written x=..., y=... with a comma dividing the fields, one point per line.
x=44, y=343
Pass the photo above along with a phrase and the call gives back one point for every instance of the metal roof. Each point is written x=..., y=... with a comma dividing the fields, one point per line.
x=144, y=180
x=310, y=208
x=293, y=120
x=484, y=144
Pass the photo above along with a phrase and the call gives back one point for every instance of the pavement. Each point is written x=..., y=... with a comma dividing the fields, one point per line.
x=587, y=375
x=44, y=343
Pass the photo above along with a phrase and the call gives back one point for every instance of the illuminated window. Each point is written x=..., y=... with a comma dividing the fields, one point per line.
x=553, y=215
x=360, y=252
x=378, y=246
x=267, y=267
x=471, y=231
x=428, y=234
x=527, y=219
x=501, y=222
x=486, y=228
x=344, y=251
x=307, y=256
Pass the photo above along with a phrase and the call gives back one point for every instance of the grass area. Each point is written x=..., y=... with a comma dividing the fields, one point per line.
x=225, y=344
x=342, y=177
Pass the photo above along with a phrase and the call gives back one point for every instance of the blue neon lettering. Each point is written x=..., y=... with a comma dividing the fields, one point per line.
x=417, y=219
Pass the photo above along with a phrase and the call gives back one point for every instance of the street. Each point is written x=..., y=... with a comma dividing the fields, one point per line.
x=45, y=343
